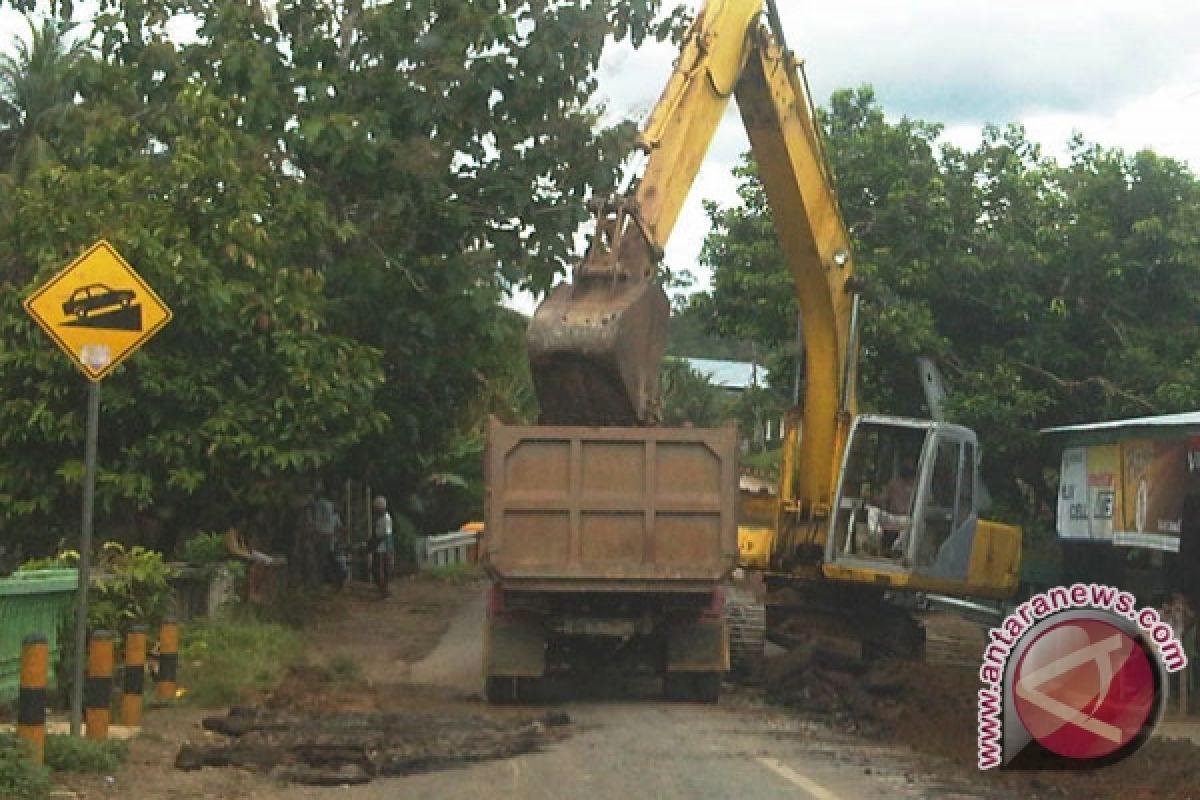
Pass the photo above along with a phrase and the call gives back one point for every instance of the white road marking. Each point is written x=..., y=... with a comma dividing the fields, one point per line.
x=814, y=789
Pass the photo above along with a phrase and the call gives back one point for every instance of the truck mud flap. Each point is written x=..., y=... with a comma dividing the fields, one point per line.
x=514, y=647
x=698, y=646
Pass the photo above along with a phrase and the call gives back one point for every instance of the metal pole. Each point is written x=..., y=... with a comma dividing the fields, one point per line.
x=85, y=554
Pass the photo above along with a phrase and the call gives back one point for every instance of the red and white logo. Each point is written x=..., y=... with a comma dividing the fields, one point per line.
x=1084, y=688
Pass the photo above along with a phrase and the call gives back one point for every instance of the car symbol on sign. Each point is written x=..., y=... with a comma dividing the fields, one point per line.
x=94, y=297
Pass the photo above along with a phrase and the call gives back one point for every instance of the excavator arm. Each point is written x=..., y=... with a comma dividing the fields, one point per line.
x=596, y=345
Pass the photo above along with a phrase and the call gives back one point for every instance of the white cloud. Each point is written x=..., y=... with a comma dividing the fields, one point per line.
x=1124, y=75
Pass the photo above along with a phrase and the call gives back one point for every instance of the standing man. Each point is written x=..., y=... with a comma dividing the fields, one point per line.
x=384, y=544
x=328, y=524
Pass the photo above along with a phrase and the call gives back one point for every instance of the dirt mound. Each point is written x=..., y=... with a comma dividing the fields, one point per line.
x=354, y=747
x=932, y=709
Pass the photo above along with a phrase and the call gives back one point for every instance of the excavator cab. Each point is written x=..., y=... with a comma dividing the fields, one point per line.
x=906, y=499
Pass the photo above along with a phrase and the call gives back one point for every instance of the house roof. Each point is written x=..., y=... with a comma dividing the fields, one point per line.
x=730, y=374
x=1187, y=419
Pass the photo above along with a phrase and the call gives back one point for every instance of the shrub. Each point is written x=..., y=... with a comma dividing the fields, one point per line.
x=76, y=754
x=128, y=585
x=224, y=661
x=20, y=778
x=205, y=548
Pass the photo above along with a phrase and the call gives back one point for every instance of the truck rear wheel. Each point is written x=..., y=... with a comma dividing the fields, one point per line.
x=698, y=687
x=501, y=689
x=706, y=686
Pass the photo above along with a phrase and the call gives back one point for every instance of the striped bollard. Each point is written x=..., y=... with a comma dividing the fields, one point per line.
x=97, y=691
x=168, y=660
x=133, y=676
x=31, y=701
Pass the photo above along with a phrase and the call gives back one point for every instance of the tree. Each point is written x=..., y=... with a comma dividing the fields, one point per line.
x=1048, y=293
x=690, y=398
x=37, y=89
x=333, y=199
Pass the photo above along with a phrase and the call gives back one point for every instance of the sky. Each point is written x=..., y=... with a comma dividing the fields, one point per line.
x=1123, y=74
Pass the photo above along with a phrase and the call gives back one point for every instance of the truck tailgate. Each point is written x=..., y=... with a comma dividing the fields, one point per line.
x=583, y=508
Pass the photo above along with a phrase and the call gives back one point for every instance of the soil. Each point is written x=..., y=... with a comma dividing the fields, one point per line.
x=325, y=726
x=932, y=709
x=345, y=717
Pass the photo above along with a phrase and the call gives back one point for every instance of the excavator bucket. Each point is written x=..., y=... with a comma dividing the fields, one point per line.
x=596, y=345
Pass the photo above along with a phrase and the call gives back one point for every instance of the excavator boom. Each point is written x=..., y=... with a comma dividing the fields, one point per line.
x=596, y=344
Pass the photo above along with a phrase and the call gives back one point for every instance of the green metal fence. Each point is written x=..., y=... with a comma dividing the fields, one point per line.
x=31, y=602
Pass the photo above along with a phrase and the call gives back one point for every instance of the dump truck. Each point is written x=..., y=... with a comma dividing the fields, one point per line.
x=593, y=561
x=608, y=547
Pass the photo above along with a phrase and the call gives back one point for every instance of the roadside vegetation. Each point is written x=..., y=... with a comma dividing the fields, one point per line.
x=21, y=779
x=225, y=662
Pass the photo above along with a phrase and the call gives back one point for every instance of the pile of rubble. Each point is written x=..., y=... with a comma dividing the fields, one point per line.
x=354, y=747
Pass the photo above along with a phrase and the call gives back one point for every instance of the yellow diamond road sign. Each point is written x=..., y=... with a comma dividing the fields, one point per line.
x=98, y=310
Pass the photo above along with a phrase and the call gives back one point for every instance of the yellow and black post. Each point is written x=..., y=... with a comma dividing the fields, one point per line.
x=133, y=676
x=168, y=660
x=98, y=689
x=31, y=701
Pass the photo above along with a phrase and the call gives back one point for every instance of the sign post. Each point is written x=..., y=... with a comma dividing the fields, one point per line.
x=99, y=311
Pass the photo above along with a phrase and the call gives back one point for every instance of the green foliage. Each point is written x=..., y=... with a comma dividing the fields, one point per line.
x=224, y=662
x=128, y=586
x=76, y=754
x=688, y=337
x=205, y=548
x=454, y=573
x=1048, y=293
x=20, y=778
x=689, y=397
x=333, y=232
x=765, y=462
x=753, y=409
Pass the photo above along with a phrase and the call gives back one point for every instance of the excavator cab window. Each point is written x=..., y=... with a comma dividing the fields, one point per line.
x=907, y=496
x=880, y=476
x=945, y=516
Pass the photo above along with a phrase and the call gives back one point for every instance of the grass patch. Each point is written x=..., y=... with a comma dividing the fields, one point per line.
x=20, y=778
x=76, y=754
x=454, y=573
x=223, y=662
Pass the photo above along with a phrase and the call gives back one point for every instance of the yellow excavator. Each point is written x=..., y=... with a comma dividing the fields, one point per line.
x=869, y=506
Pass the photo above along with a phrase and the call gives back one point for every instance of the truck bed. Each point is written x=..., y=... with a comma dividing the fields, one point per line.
x=610, y=509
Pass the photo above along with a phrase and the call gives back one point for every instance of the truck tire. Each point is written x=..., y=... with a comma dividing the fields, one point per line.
x=501, y=689
x=696, y=687
x=677, y=686
x=706, y=687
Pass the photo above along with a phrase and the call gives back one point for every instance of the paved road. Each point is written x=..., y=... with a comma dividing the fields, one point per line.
x=635, y=745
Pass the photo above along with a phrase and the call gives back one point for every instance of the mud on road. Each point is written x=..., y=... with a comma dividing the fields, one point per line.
x=403, y=713
x=323, y=726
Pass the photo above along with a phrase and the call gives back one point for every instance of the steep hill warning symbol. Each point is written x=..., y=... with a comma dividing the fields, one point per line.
x=98, y=310
x=99, y=306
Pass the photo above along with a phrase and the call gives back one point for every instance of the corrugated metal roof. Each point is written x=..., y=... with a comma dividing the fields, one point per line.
x=1190, y=418
x=730, y=374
